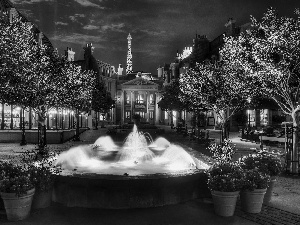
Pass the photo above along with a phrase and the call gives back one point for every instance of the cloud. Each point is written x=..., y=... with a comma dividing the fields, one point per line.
x=29, y=1
x=154, y=33
x=113, y=27
x=78, y=38
x=88, y=3
x=76, y=16
x=61, y=23
x=90, y=27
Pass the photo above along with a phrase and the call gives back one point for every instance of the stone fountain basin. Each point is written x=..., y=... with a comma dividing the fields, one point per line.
x=91, y=190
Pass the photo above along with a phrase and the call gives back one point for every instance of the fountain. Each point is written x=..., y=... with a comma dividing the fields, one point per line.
x=140, y=173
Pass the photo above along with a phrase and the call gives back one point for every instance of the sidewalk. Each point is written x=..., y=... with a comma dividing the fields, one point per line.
x=283, y=209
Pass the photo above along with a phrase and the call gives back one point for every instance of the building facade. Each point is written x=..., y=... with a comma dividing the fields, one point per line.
x=204, y=49
x=137, y=96
x=12, y=116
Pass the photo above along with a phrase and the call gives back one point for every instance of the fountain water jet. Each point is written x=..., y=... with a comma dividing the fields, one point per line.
x=135, y=148
x=135, y=175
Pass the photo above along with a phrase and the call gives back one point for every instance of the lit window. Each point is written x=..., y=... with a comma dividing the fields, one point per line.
x=127, y=114
x=140, y=99
x=151, y=115
x=151, y=99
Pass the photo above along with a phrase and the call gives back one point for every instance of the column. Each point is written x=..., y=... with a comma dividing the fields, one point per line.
x=154, y=109
x=62, y=119
x=157, y=110
x=30, y=118
x=48, y=119
x=11, y=117
x=122, y=107
x=56, y=118
x=69, y=115
x=2, y=117
x=21, y=119
x=132, y=103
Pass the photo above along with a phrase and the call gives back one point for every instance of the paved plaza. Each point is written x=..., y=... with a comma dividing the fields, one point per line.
x=284, y=207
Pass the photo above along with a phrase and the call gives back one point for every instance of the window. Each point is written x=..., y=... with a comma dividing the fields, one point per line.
x=151, y=99
x=166, y=115
x=142, y=114
x=140, y=99
x=127, y=115
x=263, y=117
x=251, y=117
x=127, y=99
x=151, y=114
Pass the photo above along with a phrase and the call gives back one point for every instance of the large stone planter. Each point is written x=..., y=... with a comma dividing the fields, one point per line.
x=224, y=202
x=269, y=193
x=42, y=199
x=251, y=201
x=17, y=208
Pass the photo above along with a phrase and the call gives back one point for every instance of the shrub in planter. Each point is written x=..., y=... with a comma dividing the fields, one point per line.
x=254, y=187
x=43, y=176
x=223, y=152
x=15, y=178
x=224, y=181
x=224, y=178
x=254, y=179
x=16, y=189
x=266, y=163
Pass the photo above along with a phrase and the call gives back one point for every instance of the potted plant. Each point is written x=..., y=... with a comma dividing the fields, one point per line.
x=224, y=182
x=16, y=189
x=266, y=163
x=224, y=178
x=254, y=187
x=43, y=176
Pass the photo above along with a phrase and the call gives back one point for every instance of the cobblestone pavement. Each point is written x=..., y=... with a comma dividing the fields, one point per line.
x=285, y=200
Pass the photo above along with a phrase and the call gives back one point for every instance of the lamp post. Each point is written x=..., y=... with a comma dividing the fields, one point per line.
x=22, y=117
x=248, y=130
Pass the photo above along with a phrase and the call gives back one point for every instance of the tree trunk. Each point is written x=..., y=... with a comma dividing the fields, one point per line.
x=22, y=124
x=172, y=124
x=42, y=131
x=294, y=158
x=76, y=138
x=96, y=122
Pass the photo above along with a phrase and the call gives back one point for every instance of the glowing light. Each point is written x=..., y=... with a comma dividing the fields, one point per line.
x=133, y=158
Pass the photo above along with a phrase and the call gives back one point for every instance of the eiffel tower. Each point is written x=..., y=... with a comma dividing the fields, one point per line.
x=129, y=56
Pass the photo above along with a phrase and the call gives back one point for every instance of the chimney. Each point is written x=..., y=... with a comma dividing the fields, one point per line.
x=88, y=50
x=40, y=38
x=12, y=14
x=69, y=54
x=160, y=71
x=120, y=70
x=230, y=27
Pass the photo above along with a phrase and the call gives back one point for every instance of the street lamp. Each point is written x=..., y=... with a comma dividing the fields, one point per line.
x=248, y=130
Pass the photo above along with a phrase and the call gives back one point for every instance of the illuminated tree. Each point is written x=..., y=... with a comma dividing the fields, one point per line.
x=101, y=100
x=270, y=53
x=76, y=89
x=18, y=48
x=209, y=86
x=34, y=76
x=22, y=59
x=170, y=99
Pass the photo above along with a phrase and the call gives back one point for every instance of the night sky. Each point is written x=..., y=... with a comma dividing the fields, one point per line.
x=158, y=27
